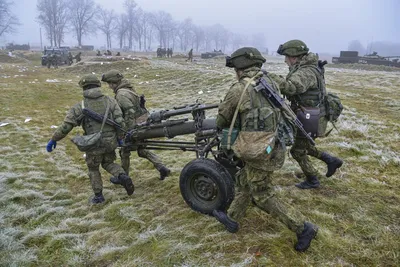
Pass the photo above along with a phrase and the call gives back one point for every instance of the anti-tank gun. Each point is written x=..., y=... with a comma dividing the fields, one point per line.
x=206, y=183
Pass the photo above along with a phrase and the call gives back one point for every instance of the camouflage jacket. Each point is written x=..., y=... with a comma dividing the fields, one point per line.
x=96, y=101
x=304, y=85
x=253, y=110
x=129, y=101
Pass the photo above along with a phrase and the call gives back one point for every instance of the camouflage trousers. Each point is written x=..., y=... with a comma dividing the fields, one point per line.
x=106, y=160
x=143, y=153
x=301, y=149
x=256, y=185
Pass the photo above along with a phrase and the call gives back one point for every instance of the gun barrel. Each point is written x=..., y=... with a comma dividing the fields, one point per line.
x=170, y=131
x=166, y=114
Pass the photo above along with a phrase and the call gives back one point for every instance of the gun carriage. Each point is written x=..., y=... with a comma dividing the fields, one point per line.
x=207, y=182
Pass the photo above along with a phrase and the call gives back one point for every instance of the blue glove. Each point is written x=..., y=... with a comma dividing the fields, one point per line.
x=120, y=142
x=51, y=145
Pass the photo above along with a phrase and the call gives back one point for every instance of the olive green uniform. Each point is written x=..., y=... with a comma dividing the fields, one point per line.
x=253, y=182
x=129, y=102
x=105, y=155
x=305, y=87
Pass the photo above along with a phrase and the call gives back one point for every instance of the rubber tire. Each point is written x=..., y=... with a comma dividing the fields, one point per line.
x=214, y=177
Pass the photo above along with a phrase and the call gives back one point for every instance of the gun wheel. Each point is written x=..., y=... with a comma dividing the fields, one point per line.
x=206, y=185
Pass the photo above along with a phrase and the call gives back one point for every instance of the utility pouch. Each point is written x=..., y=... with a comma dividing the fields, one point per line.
x=90, y=142
x=224, y=138
x=309, y=117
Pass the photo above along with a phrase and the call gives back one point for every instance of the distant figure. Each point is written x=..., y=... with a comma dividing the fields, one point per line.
x=109, y=53
x=266, y=51
x=98, y=53
x=78, y=57
x=118, y=54
x=70, y=59
x=190, y=55
x=52, y=60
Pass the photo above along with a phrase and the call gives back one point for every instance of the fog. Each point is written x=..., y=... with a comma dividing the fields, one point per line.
x=326, y=26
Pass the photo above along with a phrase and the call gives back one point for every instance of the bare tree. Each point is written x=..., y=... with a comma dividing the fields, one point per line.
x=130, y=7
x=82, y=14
x=122, y=29
x=147, y=30
x=139, y=26
x=237, y=41
x=8, y=21
x=198, y=36
x=185, y=33
x=107, y=24
x=53, y=16
x=162, y=23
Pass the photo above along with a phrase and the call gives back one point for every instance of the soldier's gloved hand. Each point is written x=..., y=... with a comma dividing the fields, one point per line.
x=120, y=142
x=51, y=145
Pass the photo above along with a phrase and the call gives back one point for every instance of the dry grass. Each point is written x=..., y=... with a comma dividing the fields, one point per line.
x=47, y=221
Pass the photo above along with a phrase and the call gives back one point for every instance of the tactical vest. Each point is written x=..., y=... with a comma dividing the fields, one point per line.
x=313, y=97
x=136, y=100
x=259, y=114
x=99, y=105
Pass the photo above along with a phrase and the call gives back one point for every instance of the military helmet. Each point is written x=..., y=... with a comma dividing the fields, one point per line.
x=90, y=79
x=112, y=76
x=293, y=48
x=245, y=57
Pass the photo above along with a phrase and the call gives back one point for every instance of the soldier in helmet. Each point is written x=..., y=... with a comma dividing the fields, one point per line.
x=94, y=100
x=304, y=86
x=78, y=57
x=190, y=55
x=134, y=111
x=246, y=108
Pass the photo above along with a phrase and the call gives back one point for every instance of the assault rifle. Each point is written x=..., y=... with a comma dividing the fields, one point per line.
x=99, y=118
x=280, y=103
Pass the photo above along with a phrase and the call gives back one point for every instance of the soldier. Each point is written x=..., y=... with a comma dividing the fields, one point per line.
x=118, y=54
x=94, y=99
x=304, y=86
x=254, y=181
x=78, y=57
x=70, y=59
x=171, y=52
x=190, y=55
x=134, y=112
x=98, y=53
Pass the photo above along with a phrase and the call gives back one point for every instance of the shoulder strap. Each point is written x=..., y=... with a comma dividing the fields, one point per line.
x=105, y=116
x=249, y=81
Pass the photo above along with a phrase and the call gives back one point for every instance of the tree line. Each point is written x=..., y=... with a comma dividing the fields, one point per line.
x=134, y=28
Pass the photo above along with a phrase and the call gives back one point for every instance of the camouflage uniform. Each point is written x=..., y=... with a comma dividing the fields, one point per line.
x=252, y=183
x=78, y=57
x=52, y=60
x=133, y=113
x=305, y=87
x=105, y=154
x=190, y=55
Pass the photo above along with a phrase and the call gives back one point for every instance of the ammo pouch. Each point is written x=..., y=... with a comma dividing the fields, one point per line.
x=224, y=138
x=309, y=117
x=90, y=142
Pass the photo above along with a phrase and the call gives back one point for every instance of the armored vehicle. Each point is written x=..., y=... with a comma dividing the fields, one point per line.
x=373, y=59
x=212, y=54
x=61, y=52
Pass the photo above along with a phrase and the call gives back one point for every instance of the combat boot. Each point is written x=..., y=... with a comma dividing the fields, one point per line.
x=164, y=172
x=333, y=163
x=310, y=183
x=223, y=218
x=304, y=239
x=125, y=181
x=115, y=180
x=97, y=198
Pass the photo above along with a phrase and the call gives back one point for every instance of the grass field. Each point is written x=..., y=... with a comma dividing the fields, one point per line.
x=46, y=219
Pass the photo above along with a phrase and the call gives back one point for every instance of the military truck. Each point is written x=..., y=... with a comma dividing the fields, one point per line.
x=61, y=52
x=212, y=54
x=351, y=57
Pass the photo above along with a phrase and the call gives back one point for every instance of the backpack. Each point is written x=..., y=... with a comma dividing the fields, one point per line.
x=333, y=107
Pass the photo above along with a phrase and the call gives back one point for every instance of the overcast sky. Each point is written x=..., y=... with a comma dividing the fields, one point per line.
x=326, y=26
